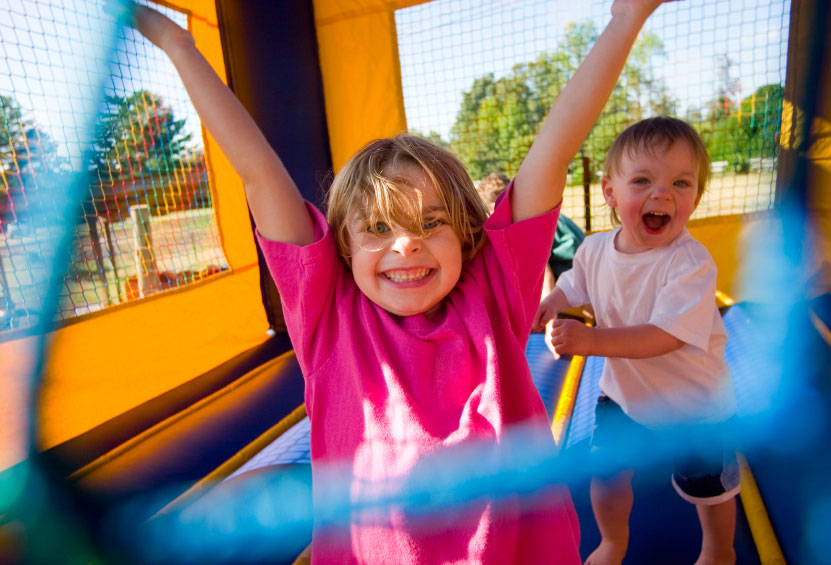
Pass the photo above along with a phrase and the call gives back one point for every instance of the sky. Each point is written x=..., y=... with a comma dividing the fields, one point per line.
x=47, y=47
x=445, y=44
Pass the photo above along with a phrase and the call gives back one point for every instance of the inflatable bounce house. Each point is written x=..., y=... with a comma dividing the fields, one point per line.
x=143, y=354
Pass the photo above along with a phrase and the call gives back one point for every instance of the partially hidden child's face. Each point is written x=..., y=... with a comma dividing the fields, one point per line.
x=402, y=273
x=655, y=193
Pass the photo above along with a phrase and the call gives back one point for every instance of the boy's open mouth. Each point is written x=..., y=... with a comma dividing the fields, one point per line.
x=655, y=221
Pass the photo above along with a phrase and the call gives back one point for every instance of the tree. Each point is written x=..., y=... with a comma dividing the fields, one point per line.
x=499, y=119
x=138, y=135
x=496, y=124
x=738, y=131
x=433, y=137
x=27, y=156
x=760, y=115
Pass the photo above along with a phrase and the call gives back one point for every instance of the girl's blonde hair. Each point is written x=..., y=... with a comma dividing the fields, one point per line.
x=371, y=185
x=658, y=134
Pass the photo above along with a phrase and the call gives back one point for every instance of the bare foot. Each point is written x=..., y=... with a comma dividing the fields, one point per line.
x=607, y=553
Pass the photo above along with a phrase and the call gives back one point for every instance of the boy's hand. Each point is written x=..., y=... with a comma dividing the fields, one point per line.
x=568, y=337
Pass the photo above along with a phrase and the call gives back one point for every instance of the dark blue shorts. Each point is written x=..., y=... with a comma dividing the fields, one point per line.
x=708, y=475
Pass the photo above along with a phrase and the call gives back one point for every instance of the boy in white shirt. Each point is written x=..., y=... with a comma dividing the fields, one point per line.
x=652, y=287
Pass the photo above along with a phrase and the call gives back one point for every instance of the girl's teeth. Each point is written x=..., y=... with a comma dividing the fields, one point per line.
x=406, y=276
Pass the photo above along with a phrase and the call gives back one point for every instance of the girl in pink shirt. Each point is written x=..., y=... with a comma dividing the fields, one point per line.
x=409, y=310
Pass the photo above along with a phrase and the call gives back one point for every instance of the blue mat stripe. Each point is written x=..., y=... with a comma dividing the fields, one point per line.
x=291, y=447
x=547, y=372
x=582, y=419
x=742, y=352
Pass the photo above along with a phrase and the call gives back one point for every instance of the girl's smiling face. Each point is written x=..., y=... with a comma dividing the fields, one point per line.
x=404, y=273
x=654, y=193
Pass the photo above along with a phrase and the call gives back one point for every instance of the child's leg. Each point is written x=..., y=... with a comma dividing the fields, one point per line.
x=718, y=527
x=612, y=500
x=709, y=478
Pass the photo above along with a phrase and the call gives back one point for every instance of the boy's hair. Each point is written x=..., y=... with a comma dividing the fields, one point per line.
x=370, y=184
x=492, y=185
x=658, y=134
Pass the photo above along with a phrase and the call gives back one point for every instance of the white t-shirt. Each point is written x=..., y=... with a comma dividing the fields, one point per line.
x=671, y=287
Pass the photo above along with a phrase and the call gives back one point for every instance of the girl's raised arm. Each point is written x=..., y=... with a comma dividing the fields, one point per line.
x=539, y=183
x=275, y=202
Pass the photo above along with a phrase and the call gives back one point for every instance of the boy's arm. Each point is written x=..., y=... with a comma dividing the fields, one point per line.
x=634, y=342
x=539, y=183
x=276, y=205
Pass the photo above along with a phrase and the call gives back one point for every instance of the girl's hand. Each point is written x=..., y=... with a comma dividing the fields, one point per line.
x=569, y=337
x=158, y=28
x=155, y=26
x=642, y=8
x=553, y=303
x=545, y=313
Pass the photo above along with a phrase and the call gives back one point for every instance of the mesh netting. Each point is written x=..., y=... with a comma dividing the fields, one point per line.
x=479, y=77
x=146, y=223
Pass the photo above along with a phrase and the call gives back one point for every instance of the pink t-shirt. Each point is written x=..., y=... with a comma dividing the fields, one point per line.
x=384, y=391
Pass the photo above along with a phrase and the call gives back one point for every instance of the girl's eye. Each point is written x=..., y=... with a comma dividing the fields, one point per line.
x=682, y=183
x=641, y=180
x=432, y=223
x=378, y=227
